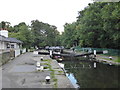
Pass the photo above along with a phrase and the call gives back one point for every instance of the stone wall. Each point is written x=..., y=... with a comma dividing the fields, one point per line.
x=5, y=56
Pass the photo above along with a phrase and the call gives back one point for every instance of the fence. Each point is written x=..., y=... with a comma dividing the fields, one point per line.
x=24, y=50
x=17, y=52
x=111, y=52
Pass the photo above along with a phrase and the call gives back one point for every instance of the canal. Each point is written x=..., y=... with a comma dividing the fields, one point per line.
x=90, y=74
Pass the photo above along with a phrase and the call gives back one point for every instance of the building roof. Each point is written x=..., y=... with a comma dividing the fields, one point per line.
x=14, y=40
x=2, y=38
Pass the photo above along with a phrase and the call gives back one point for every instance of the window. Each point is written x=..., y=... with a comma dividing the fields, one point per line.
x=12, y=46
x=8, y=46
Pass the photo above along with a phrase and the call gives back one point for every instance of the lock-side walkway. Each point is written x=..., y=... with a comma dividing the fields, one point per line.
x=21, y=73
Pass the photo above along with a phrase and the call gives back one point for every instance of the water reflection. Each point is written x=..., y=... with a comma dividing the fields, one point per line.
x=72, y=79
x=89, y=74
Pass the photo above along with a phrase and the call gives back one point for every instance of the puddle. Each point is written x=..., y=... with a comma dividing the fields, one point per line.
x=23, y=68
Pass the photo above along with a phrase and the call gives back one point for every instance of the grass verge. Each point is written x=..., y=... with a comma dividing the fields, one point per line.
x=52, y=74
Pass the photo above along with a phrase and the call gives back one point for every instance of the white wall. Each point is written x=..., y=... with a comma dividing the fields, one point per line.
x=17, y=52
x=24, y=50
x=3, y=45
x=4, y=33
x=16, y=46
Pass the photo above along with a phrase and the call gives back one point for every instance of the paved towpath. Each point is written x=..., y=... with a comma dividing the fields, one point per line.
x=21, y=73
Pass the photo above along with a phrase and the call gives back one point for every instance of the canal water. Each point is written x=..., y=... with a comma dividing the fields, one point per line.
x=90, y=74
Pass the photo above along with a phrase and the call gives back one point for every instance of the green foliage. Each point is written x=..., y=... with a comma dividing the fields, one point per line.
x=98, y=26
x=38, y=34
x=44, y=34
x=4, y=25
x=69, y=38
x=23, y=33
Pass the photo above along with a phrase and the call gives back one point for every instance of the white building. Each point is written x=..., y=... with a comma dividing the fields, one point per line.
x=9, y=43
x=14, y=43
x=4, y=42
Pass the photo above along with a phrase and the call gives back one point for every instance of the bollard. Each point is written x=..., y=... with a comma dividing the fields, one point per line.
x=38, y=68
x=38, y=64
x=47, y=79
x=110, y=63
x=41, y=58
x=41, y=68
x=110, y=58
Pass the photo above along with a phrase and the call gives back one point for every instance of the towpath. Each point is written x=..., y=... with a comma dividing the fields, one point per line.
x=21, y=73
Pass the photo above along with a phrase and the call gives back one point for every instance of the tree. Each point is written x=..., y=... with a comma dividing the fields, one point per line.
x=23, y=33
x=44, y=34
x=69, y=38
x=97, y=26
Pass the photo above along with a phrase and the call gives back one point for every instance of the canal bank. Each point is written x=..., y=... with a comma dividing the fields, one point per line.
x=99, y=57
x=58, y=76
x=105, y=59
x=21, y=72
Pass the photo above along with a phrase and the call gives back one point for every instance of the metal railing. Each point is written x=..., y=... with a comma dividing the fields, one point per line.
x=111, y=52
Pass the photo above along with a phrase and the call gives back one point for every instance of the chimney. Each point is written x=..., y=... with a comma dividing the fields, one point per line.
x=4, y=32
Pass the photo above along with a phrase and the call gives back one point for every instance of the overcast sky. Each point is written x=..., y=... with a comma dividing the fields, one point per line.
x=54, y=12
